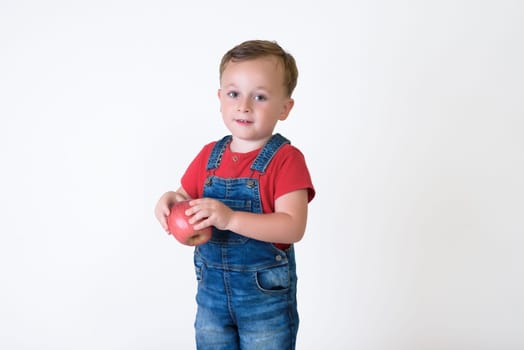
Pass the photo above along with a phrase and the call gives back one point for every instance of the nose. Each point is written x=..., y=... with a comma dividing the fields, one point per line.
x=243, y=105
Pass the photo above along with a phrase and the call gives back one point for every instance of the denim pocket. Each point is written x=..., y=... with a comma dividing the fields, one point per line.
x=239, y=205
x=274, y=280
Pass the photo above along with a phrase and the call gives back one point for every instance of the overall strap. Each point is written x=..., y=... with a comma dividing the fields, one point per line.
x=268, y=151
x=216, y=154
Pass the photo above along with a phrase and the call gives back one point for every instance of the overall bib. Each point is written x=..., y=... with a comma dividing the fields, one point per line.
x=246, y=288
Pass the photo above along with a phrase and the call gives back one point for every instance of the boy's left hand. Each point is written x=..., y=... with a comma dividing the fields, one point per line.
x=209, y=212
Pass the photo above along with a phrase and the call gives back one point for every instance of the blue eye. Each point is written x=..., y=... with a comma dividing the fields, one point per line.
x=260, y=98
x=232, y=94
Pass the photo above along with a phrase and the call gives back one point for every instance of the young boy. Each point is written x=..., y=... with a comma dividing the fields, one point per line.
x=253, y=187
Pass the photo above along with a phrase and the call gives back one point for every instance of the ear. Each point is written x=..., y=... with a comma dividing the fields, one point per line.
x=219, y=93
x=288, y=106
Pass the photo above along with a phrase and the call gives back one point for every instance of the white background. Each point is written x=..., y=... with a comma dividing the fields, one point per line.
x=410, y=114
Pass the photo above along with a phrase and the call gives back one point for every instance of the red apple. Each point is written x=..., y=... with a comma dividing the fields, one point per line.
x=179, y=226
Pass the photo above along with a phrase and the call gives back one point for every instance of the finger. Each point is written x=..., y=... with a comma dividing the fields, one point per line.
x=200, y=225
x=191, y=211
x=195, y=206
x=163, y=223
x=195, y=217
x=194, y=202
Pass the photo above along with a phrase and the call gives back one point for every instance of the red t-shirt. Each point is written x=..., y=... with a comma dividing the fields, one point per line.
x=286, y=172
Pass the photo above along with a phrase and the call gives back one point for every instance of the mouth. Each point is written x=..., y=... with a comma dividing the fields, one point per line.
x=243, y=121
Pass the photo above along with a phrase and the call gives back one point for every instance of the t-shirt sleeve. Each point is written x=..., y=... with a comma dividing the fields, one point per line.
x=193, y=179
x=293, y=174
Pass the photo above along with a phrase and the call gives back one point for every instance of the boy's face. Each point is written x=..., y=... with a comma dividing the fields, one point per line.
x=253, y=98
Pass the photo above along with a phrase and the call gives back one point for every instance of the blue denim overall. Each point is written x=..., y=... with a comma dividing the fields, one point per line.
x=246, y=288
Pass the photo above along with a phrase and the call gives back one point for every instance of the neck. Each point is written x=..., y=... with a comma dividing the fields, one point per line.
x=243, y=146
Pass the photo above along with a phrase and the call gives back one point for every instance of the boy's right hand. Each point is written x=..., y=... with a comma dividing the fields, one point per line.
x=162, y=208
